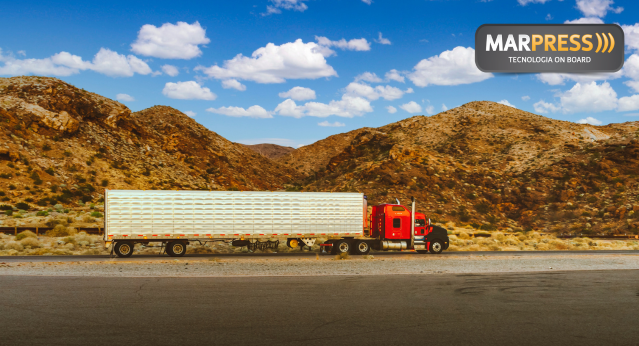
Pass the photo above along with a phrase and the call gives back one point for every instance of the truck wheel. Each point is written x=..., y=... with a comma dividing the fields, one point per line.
x=436, y=247
x=124, y=249
x=176, y=249
x=341, y=246
x=325, y=250
x=361, y=247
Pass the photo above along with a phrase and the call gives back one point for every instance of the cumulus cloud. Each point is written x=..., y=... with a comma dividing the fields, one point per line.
x=170, y=70
x=191, y=114
x=452, y=67
x=357, y=44
x=597, y=8
x=411, y=107
x=634, y=85
x=444, y=107
x=275, y=64
x=526, y=2
x=251, y=112
x=394, y=75
x=299, y=93
x=631, y=33
x=631, y=67
x=106, y=62
x=525, y=98
x=391, y=109
x=386, y=92
x=170, y=41
x=589, y=97
x=585, y=20
x=506, y=103
x=367, y=2
x=544, y=107
x=233, y=84
x=328, y=124
x=382, y=40
x=590, y=121
x=124, y=98
x=190, y=90
x=277, y=6
x=561, y=78
x=368, y=77
x=628, y=103
x=347, y=107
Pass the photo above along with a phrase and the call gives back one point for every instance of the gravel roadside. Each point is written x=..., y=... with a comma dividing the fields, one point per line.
x=321, y=266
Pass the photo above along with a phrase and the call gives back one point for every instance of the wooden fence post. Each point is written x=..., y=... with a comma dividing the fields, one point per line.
x=15, y=231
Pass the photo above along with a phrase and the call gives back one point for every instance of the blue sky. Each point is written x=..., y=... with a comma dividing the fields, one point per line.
x=315, y=62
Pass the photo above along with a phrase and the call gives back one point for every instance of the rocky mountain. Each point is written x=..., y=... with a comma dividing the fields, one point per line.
x=64, y=145
x=491, y=166
x=272, y=151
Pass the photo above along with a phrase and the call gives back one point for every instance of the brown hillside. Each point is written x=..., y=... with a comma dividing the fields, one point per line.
x=63, y=145
x=272, y=151
x=497, y=167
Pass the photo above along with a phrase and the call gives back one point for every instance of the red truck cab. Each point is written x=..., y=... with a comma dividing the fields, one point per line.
x=392, y=221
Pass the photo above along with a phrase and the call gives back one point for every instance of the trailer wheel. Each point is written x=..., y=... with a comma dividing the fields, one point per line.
x=341, y=246
x=176, y=249
x=436, y=247
x=124, y=249
x=361, y=247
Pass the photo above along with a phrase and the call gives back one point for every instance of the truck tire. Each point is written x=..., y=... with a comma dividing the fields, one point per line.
x=124, y=249
x=176, y=248
x=436, y=246
x=326, y=250
x=361, y=247
x=341, y=246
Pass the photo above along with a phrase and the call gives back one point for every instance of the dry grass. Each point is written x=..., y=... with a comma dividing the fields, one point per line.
x=25, y=234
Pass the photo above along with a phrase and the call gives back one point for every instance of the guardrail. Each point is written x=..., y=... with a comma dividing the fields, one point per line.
x=43, y=230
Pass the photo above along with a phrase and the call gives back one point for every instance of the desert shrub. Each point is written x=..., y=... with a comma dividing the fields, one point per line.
x=9, y=212
x=498, y=235
x=105, y=182
x=30, y=242
x=61, y=231
x=88, y=219
x=25, y=234
x=23, y=206
x=14, y=245
x=12, y=187
x=42, y=213
x=2, y=194
x=5, y=207
x=96, y=214
x=49, y=171
x=6, y=175
x=482, y=208
x=59, y=221
x=463, y=235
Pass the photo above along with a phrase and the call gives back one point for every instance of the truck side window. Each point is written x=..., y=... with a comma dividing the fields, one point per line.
x=420, y=223
x=397, y=222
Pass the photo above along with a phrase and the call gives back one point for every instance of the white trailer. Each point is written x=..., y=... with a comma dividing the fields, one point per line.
x=255, y=219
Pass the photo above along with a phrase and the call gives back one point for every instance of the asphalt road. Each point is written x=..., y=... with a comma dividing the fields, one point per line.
x=558, y=308
x=309, y=254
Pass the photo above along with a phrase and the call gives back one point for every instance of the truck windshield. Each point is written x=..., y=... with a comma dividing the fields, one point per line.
x=420, y=222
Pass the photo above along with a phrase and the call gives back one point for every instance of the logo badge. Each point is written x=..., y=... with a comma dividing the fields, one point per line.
x=538, y=48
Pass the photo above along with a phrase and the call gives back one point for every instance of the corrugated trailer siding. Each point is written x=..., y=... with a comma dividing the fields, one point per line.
x=231, y=214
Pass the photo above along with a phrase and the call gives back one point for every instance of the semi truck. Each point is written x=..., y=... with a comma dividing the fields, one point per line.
x=263, y=219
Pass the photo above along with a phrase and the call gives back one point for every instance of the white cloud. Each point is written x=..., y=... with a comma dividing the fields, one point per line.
x=43, y=67
x=597, y=8
x=251, y=112
x=191, y=114
x=387, y=92
x=233, y=84
x=299, y=93
x=633, y=85
x=452, y=67
x=589, y=120
x=278, y=5
x=430, y=109
x=347, y=107
x=367, y=2
x=275, y=64
x=327, y=124
x=382, y=40
x=585, y=20
x=561, y=78
x=525, y=98
x=394, y=75
x=526, y=2
x=444, y=107
x=391, y=109
x=188, y=91
x=589, y=97
x=549, y=16
x=22, y=53
x=631, y=67
x=170, y=41
x=368, y=77
x=631, y=115
x=631, y=33
x=506, y=103
x=628, y=103
x=357, y=44
x=170, y=70
x=545, y=107
x=411, y=107
x=124, y=98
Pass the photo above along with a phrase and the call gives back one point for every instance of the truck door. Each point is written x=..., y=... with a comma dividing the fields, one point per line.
x=398, y=223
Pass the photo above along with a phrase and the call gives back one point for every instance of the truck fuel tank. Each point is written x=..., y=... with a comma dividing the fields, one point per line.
x=394, y=245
